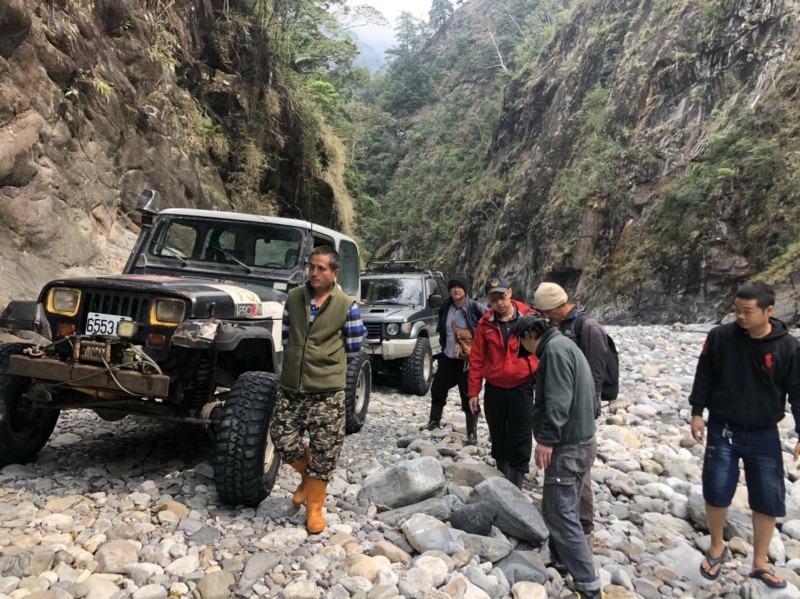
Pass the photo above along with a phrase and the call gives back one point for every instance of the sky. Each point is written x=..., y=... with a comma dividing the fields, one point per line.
x=381, y=38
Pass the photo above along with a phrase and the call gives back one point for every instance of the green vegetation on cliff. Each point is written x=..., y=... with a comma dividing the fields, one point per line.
x=643, y=154
x=431, y=118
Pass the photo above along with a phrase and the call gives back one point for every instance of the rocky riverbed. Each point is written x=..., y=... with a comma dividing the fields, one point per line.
x=112, y=510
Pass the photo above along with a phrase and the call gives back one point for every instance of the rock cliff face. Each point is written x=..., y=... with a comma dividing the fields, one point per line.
x=646, y=158
x=651, y=160
x=101, y=99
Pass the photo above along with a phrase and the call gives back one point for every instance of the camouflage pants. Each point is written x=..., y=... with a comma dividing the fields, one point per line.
x=322, y=416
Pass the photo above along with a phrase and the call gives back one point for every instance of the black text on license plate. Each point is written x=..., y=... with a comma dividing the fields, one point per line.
x=103, y=324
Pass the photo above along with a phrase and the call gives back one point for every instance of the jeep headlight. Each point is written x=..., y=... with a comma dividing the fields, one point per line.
x=167, y=312
x=392, y=329
x=63, y=301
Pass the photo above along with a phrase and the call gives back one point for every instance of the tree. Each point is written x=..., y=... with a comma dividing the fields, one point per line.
x=410, y=33
x=441, y=10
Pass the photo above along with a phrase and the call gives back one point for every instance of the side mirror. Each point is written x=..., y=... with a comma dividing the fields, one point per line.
x=435, y=300
x=148, y=205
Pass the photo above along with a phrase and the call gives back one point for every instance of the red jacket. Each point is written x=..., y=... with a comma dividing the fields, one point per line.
x=491, y=360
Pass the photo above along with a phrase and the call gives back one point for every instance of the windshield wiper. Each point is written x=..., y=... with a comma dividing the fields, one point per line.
x=174, y=254
x=230, y=256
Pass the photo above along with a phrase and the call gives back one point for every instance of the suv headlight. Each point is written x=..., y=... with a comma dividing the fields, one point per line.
x=167, y=312
x=63, y=301
x=392, y=328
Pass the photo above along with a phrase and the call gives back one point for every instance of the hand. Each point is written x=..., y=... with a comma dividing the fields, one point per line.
x=473, y=405
x=543, y=455
x=797, y=451
x=699, y=429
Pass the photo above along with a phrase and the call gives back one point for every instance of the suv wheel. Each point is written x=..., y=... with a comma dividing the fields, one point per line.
x=418, y=368
x=359, y=385
x=24, y=428
x=245, y=462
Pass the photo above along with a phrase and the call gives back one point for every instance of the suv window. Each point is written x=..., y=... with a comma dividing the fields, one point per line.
x=400, y=290
x=348, y=258
x=432, y=288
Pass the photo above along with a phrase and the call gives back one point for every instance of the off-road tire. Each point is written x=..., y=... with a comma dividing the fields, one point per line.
x=21, y=437
x=418, y=368
x=357, y=391
x=245, y=462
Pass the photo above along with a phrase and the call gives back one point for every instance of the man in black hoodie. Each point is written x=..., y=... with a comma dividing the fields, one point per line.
x=745, y=372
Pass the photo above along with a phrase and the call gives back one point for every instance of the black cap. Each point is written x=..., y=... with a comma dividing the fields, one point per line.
x=528, y=321
x=458, y=279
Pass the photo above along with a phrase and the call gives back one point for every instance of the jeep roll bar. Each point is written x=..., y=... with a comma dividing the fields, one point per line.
x=399, y=266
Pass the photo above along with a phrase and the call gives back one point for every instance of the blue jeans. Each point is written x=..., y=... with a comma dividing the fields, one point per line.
x=760, y=450
x=563, y=484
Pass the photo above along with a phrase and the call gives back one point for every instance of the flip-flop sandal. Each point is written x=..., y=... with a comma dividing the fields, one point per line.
x=762, y=574
x=713, y=562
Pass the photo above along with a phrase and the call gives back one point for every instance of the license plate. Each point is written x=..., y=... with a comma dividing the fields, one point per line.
x=103, y=324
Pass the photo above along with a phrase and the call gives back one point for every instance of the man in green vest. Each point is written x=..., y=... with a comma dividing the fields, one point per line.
x=321, y=328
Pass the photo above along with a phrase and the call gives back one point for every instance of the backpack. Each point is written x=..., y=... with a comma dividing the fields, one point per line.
x=610, y=388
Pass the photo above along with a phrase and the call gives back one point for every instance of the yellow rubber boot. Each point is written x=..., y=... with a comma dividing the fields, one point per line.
x=299, y=497
x=316, y=491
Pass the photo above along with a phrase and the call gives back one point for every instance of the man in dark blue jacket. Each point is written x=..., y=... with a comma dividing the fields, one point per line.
x=458, y=314
x=745, y=372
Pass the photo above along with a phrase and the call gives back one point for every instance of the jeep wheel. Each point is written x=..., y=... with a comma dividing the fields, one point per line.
x=24, y=427
x=418, y=368
x=356, y=399
x=245, y=461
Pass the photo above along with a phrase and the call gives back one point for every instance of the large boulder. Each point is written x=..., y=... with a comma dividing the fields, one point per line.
x=404, y=484
x=467, y=474
x=425, y=533
x=516, y=515
x=475, y=518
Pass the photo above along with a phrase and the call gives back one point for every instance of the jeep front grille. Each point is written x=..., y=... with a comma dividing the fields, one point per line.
x=131, y=305
x=373, y=330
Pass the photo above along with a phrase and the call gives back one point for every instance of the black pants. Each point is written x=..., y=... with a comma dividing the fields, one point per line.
x=509, y=414
x=449, y=374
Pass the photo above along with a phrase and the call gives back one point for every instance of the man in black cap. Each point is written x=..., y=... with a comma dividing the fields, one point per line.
x=458, y=317
x=564, y=429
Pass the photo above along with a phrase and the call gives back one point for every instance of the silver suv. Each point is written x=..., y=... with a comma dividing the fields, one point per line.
x=402, y=300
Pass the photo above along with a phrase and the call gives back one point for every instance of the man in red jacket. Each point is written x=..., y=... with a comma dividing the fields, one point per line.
x=508, y=395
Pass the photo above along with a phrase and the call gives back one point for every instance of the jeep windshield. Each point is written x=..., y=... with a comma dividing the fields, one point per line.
x=239, y=244
x=400, y=290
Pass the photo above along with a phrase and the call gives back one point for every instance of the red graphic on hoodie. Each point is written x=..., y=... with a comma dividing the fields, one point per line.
x=769, y=361
x=704, y=351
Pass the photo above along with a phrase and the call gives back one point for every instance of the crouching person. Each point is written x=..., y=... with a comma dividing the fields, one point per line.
x=319, y=321
x=564, y=429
